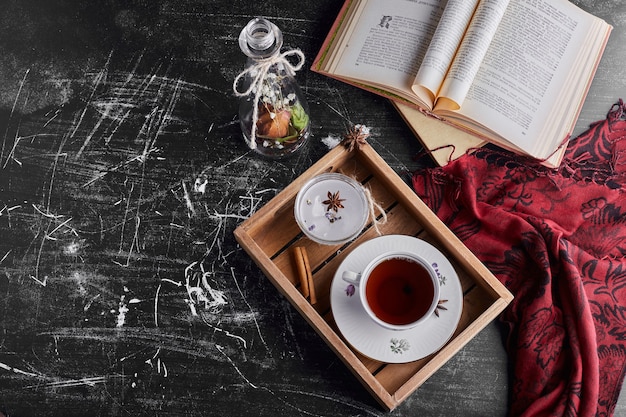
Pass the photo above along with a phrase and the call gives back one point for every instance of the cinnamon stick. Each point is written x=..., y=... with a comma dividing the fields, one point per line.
x=302, y=273
x=309, y=275
x=307, y=286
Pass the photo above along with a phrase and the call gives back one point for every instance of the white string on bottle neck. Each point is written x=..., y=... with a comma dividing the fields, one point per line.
x=258, y=72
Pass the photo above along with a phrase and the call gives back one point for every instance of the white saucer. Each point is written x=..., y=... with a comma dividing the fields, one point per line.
x=393, y=346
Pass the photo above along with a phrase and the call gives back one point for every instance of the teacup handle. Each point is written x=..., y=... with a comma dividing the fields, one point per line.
x=351, y=277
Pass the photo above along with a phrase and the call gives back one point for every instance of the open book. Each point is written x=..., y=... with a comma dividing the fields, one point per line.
x=512, y=72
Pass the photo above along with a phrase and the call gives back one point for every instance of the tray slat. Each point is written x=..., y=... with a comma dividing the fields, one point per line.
x=270, y=235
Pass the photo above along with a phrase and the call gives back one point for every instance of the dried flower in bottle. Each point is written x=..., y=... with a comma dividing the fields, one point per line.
x=273, y=124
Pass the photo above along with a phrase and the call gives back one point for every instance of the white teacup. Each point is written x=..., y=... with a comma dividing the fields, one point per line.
x=398, y=289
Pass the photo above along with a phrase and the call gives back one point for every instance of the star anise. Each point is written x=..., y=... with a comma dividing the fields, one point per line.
x=440, y=307
x=333, y=202
x=356, y=137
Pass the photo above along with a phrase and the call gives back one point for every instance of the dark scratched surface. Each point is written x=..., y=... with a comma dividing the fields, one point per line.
x=122, y=177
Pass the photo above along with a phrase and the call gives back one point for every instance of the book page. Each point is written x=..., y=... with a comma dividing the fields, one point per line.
x=389, y=42
x=526, y=70
x=443, y=47
x=471, y=53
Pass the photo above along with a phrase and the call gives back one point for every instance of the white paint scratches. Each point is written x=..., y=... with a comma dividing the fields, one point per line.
x=135, y=244
x=68, y=383
x=248, y=205
x=101, y=76
x=8, y=209
x=124, y=94
x=65, y=383
x=161, y=368
x=72, y=249
x=16, y=371
x=90, y=302
x=81, y=283
x=178, y=284
x=188, y=202
x=122, y=310
x=155, y=362
x=118, y=167
x=6, y=255
x=288, y=326
x=151, y=338
x=156, y=297
x=331, y=398
x=200, y=185
x=221, y=350
x=218, y=216
x=253, y=201
x=12, y=154
x=232, y=272
x=156, y=305
x=42, y=282
x=200, y=291
x=267, y=190
x=226, y=332
x=6, y=132
x=50, y=235
x=202, y=298
x=52, y=228
x=47, y=214
x=298, y=393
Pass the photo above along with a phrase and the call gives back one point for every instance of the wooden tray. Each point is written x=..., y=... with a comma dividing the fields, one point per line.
x=270, y=234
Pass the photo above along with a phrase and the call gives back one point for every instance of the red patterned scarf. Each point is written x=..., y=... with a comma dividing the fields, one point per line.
x=557, y=240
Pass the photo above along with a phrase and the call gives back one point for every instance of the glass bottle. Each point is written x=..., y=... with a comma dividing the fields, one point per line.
x=280, y=125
